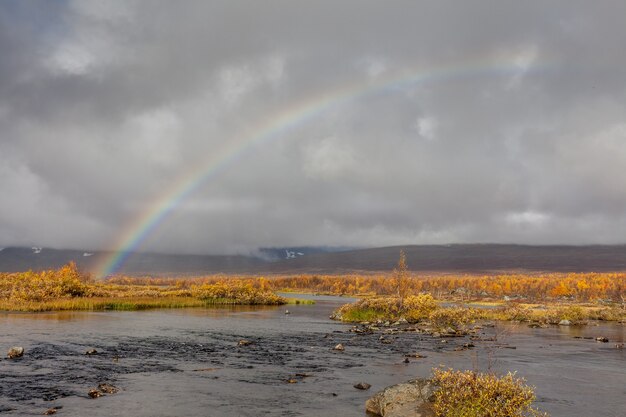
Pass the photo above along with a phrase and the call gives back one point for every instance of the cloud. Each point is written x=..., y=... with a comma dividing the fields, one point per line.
x=328, y=159
x=514, y=133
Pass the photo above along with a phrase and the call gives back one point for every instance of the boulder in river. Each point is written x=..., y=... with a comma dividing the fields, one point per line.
x=565, y=322
x=15, y=352
x=339, y=347
x=415, y=355
x=410, y=399
x=94, y=393
x=244, y=342
x=91, y=352
x=602, y=339
x=362, y=386
x=108, y=388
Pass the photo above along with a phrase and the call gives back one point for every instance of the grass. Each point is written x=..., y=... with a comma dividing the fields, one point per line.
x=101, y=304
x=299, y=301
x=424, y=308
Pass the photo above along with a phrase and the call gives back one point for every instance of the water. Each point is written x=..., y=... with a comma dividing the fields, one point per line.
x=187, y=363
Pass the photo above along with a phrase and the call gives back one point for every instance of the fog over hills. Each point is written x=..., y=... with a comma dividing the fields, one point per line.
x=472, y=258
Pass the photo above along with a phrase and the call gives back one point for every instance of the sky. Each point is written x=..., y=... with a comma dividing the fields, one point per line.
x=428, y=122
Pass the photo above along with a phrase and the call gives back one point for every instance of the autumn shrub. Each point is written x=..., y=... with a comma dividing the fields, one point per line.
x=454, y=317
x=67, y=288
x=418, y=307
x=574, y=314
x=609, y=314
x=474, y=394
x=235, y=293
x=512, y=313
x=45, y=285
x=370, y=309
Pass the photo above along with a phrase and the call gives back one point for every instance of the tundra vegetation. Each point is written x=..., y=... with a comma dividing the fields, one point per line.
x=423, y=307
x=543, y=298
x=68, y=289
x=476, y=394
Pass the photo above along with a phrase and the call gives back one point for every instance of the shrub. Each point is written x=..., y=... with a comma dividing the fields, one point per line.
x=236, y=293
x=370, y=309
x=473, y=394
x=453, y=317
x=419, y=307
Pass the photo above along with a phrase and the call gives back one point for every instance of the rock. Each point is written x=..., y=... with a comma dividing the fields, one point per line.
x=410, y=399
x=15, y=352
x=415, y=355
x=402, y=320
x=287, y=312
x=244, y=342
x=91, y=352
x=565, y=323
x=339, y=347
x=362, y=385
x=406, y=360
x=49, y=412
x=292, y=381
x=94, y=393
x=602, y=339
x=108, y=388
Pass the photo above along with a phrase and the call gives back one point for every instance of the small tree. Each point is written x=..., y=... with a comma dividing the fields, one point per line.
x=401, y=277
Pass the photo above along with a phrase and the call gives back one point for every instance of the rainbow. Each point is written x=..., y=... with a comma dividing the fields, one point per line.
x=295, y=115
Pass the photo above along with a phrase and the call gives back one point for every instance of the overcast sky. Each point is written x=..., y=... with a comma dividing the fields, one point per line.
x=515, y=133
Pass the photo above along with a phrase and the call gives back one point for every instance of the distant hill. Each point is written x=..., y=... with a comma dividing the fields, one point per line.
x=471, y=258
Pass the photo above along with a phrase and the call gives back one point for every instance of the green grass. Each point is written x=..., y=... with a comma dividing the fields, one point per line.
x=364, y=314
x=124, y=303
x=299, y=301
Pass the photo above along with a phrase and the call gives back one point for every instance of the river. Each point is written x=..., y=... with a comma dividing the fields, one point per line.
x=188, y=363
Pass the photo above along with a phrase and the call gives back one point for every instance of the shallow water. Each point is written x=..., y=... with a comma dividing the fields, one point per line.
x=187, y=363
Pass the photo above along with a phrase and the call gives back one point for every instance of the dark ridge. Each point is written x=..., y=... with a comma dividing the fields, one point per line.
x=464, y=258
x=470, y=258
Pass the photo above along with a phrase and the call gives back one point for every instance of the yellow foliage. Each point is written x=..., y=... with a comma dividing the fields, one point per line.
x=473, y=394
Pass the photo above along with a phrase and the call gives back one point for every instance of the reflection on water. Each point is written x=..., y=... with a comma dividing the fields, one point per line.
x=187, y=362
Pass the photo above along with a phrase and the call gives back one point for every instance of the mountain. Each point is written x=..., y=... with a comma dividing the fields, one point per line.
x=458, y=258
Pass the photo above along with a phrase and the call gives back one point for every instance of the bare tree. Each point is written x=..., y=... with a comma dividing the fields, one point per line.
x=401, y=277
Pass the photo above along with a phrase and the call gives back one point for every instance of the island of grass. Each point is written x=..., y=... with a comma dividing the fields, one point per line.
x=423, y=308
x=67, y=288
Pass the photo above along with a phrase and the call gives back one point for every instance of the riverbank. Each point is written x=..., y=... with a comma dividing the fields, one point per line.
x=68, y=289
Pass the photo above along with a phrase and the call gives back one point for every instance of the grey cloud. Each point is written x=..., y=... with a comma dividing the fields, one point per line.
x=106, y=105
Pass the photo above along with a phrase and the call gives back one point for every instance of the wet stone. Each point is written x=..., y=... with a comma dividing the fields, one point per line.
x=94, y=393
x=108, y=388
x=15, y=352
